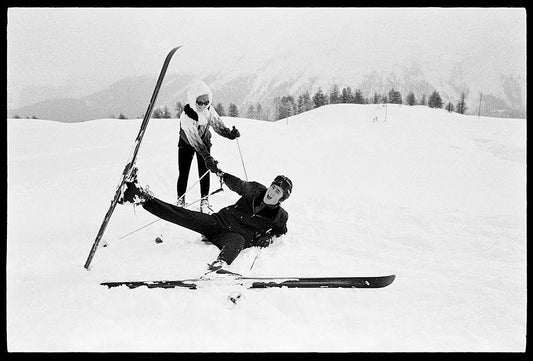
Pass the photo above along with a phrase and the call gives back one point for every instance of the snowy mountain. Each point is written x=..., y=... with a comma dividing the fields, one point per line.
x=248, y=79
x=437, y=198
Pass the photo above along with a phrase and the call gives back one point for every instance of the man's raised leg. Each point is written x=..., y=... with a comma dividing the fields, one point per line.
x=193, y=220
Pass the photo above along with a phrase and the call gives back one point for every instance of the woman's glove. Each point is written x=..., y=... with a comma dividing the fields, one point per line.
x=211, y=164
x=234, y=133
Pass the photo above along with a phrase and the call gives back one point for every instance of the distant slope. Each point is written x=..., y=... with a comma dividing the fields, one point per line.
x=63, y=110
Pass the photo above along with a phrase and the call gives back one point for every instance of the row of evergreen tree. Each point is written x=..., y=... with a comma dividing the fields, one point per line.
x=286, y=106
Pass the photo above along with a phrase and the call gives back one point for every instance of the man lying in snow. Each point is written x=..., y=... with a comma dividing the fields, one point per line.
x=253, y=220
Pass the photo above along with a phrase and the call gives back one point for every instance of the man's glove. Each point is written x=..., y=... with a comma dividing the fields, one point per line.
x=211, y=164
x=234, y=133
x=264, y=241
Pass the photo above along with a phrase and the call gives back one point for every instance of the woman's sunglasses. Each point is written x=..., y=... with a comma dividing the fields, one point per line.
x=202, y=103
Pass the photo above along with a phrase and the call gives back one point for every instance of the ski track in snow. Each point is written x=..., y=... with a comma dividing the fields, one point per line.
x=436, y=198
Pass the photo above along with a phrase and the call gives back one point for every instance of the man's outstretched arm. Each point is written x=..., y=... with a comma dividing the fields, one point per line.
x=234, y=183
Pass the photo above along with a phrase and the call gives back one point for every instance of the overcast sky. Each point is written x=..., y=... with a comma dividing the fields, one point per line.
x=53, y=46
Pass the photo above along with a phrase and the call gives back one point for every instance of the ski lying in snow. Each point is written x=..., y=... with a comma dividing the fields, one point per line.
x=264, y=282
x=129, y=169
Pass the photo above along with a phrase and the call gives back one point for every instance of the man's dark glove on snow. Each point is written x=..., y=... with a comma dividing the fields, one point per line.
x=264, y=241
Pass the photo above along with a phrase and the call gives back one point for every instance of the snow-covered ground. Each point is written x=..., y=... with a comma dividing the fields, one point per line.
x=437, y=198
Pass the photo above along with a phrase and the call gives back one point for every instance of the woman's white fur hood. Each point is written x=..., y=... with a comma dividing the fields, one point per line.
x=197, y=89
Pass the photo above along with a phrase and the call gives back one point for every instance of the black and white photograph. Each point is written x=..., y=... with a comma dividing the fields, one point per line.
x=266, y=179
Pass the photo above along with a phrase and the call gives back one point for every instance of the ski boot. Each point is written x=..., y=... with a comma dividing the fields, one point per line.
x=218, y=270
x=205, y=207
x=217, y=265
x=181, y=202
x=131, y=192
x=204, y=239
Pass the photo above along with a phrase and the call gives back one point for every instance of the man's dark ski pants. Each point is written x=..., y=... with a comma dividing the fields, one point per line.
x=230, y=243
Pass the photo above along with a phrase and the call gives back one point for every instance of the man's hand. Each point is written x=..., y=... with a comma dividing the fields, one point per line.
x=264, y=241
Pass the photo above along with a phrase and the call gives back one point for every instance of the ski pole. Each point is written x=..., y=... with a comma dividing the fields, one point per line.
x=255, y=259
x=138, y=229
x=242, y=160
x=259, y=249
x=195, y=183
x=210, y=194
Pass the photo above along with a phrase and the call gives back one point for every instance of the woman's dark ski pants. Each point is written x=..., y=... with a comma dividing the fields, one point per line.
x=185, y=155
x=230, y=243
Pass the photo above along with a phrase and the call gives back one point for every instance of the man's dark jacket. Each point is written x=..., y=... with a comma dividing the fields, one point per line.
x=241, y=217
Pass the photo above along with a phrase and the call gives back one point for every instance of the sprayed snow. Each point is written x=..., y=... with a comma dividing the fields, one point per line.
x=436, y=198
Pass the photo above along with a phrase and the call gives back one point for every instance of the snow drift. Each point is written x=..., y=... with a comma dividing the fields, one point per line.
x=436, y=198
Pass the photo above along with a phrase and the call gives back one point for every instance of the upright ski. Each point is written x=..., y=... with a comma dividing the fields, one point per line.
x=128, y=170
x=264, y=282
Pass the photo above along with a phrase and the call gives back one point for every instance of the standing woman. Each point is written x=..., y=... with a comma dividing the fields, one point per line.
x=195, y=138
